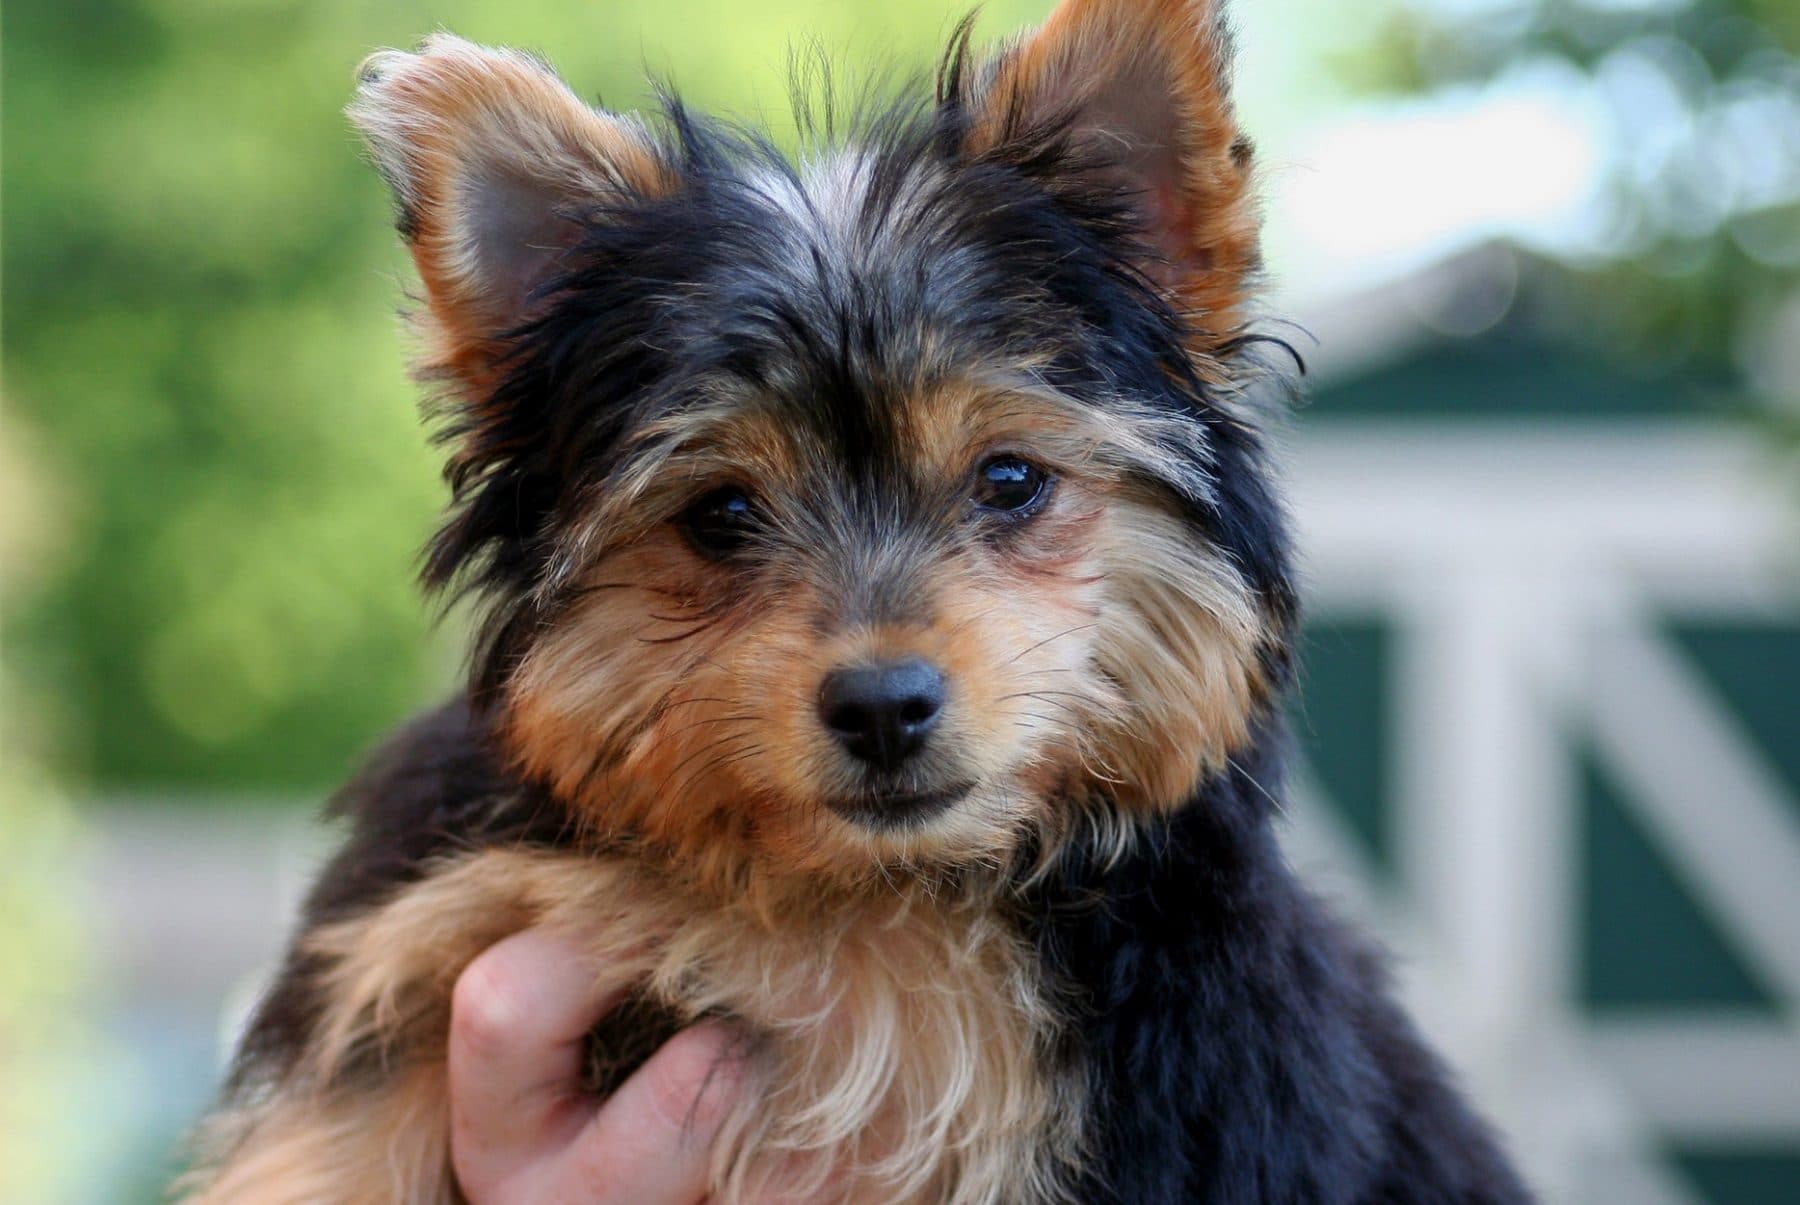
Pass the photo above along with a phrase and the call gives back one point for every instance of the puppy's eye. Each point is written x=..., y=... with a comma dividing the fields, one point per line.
x=1010, y=485
x=721, y=522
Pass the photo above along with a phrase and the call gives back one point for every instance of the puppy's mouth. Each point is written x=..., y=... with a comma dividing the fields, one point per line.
x=877, y=809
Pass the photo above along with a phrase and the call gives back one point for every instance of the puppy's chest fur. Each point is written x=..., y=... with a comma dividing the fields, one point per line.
x=901, y=1045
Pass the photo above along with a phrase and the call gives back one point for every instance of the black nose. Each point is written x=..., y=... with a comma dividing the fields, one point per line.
x=883, y=713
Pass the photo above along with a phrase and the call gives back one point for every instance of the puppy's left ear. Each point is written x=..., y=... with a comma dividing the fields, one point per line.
x=1142, y=86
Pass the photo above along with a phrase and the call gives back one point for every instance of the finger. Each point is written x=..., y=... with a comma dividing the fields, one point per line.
x=652, y=1140
x=518, y=1015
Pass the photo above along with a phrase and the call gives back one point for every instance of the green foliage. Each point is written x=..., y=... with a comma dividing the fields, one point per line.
x=201, y=340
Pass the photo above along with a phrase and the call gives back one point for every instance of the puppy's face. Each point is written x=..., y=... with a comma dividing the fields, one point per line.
x=865, y=515
x=906, y=634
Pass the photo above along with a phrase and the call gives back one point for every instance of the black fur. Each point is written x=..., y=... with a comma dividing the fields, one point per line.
x=1240, y=1046
x=1030, y=250
x=434, y=789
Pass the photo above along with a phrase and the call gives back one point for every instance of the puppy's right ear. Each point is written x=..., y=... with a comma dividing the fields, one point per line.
x=492, y=161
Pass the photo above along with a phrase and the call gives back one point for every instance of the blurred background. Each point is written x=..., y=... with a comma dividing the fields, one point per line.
x=1546, y=485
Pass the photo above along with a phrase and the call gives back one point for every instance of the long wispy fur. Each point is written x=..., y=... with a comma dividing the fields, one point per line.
x=1054, y=953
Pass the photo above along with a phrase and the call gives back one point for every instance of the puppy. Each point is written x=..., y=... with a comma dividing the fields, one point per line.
x=886, y=613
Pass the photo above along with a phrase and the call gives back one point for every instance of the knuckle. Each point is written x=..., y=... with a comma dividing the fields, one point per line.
x=487, y=1007
x=693, y=1080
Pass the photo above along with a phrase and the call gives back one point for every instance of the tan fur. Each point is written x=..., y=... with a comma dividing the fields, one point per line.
x=725, y=752
x=385, y=1144
x=669, y=707
x=1182, y=628
x=902, y=1041
x=1107, y=58
x=454, y=118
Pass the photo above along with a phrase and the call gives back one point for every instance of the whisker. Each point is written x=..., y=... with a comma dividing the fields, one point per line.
x=695, y=630
x=730, y=758
x=1046, y=640
x=1238, y=768
x=744, y=717
x=703, y=751
x=1053, y=697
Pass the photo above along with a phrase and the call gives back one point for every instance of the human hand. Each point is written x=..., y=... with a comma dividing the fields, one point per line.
x=523, y=1131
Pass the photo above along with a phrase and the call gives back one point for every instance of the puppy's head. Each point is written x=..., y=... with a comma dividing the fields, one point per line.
x=867, y=513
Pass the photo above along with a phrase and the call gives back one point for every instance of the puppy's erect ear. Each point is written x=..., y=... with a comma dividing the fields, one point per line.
x=492, y=161
x=1144, y=85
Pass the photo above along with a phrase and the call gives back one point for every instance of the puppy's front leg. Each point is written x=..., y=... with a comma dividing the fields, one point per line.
x=354, y=1108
